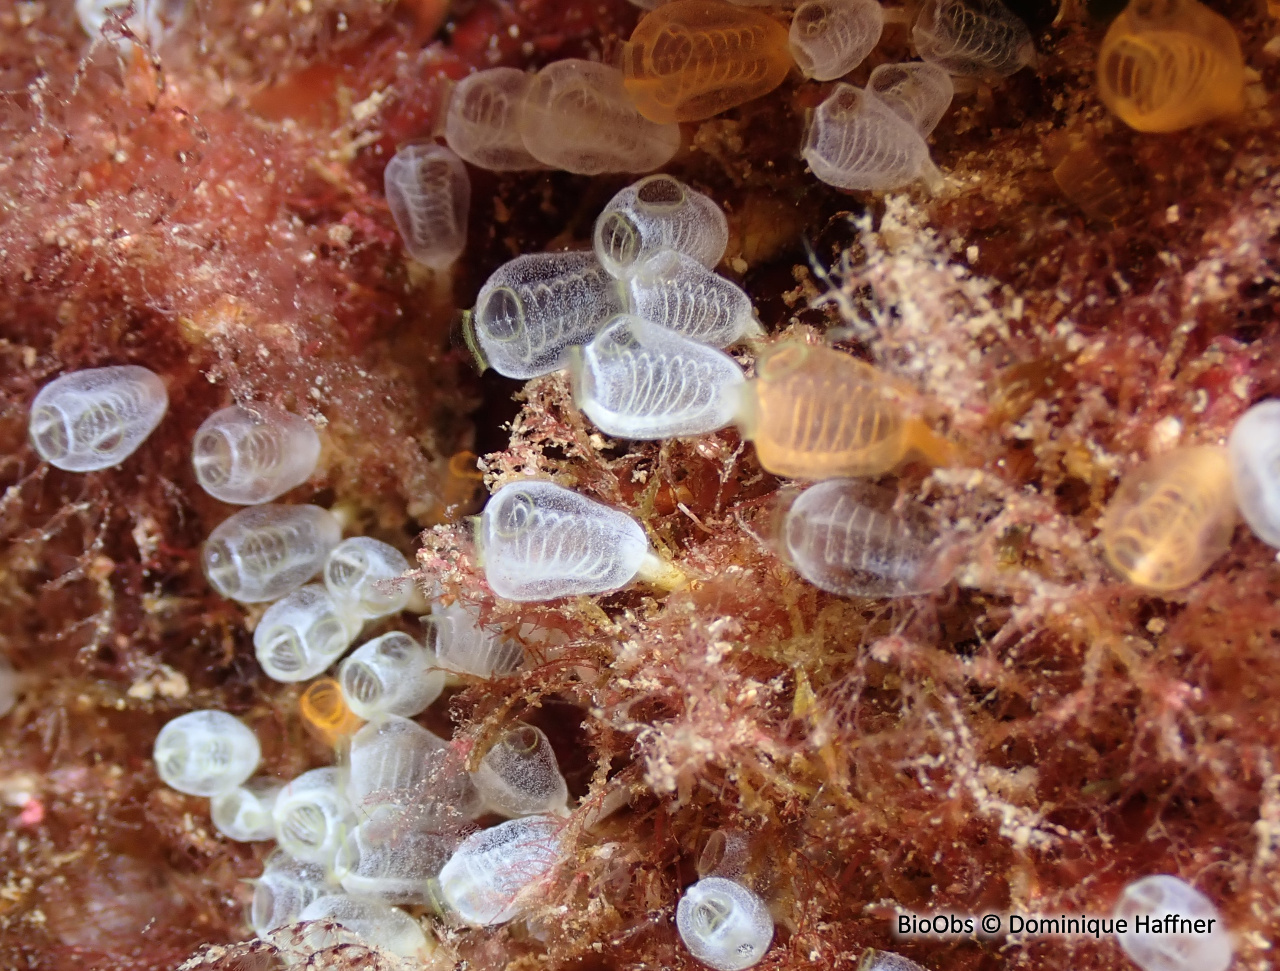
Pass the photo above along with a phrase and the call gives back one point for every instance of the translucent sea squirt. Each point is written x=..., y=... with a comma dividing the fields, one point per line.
x=533, y=308
x=829, y=38
x=483, y=879
x=855, y=539
x=539, y=541
x=693, y=59
x=249, y=455
x=856, y=141
x=1171, y=518
x=204, y=753
x=1166, y=65
x=973, y=38
x=265, y=552
x=816, y=413
x=639, y=380
x=659, y=212
x=724, y=924
x=1254, y=448
x=96, y=418
x=577, y=117
x=1162, y=896
x=429, y=194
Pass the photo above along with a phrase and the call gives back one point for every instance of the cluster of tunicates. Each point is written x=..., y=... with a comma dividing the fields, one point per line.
x=385, y=827
x=1174, y=515
x=655, y=244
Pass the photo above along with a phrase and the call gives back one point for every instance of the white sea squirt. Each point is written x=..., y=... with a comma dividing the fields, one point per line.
x=723, y=924
x=429, y=194
x=1161, y=898
x=265, y=552
x=312, y=816
x=284, y=890
x=302, y=634
x=639, y=380
x=390, y=856
x=675, y=291
x=249, y=455
x=390, y=675
x=244, y=813
x=204, y=753
x=372, y=921
x=577, y=116
x=851, y=538
x=659, y=212
x=972, y=38
x=918, y=92
x=463, y=646
x=829, y=38
x=532, y=309
x=364, y=576
x=856, y=141
x=519, y=775
x=483, y=880
x=539, y=541
x=483, y=121
x=396, y=762
x=1254, y=450
x=96, y=418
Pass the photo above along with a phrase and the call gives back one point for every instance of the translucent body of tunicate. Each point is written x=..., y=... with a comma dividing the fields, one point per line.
x=519, y=775
x=284, y=890
x=852, y=539
x=268, y=551
x=829, y=38
x=96, y=418
x=463, y=646
x=577, y=117
x=204, y=753
x=816, y=413
x=532, y=309
x=483, y=122
x=429, y=194
x=918, y=92
x=856, y=141
x=1166, y=65
x=1171, y=517
x=244, y=813
x=1163, y=896
x=639, y=380
x=325, y=712
x=312, y=816
x=692, y=59
x=483, y=879
x=390, y=856
x=390, y=675
x=1254, y=450
x=396, y=762
x=251, y=455
x=540, y=541
x=301, y=634
x=972, y=38
x=677, y=292
x=659, y=212
x=375, y=923
x=364, y=576
x=723, y=924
